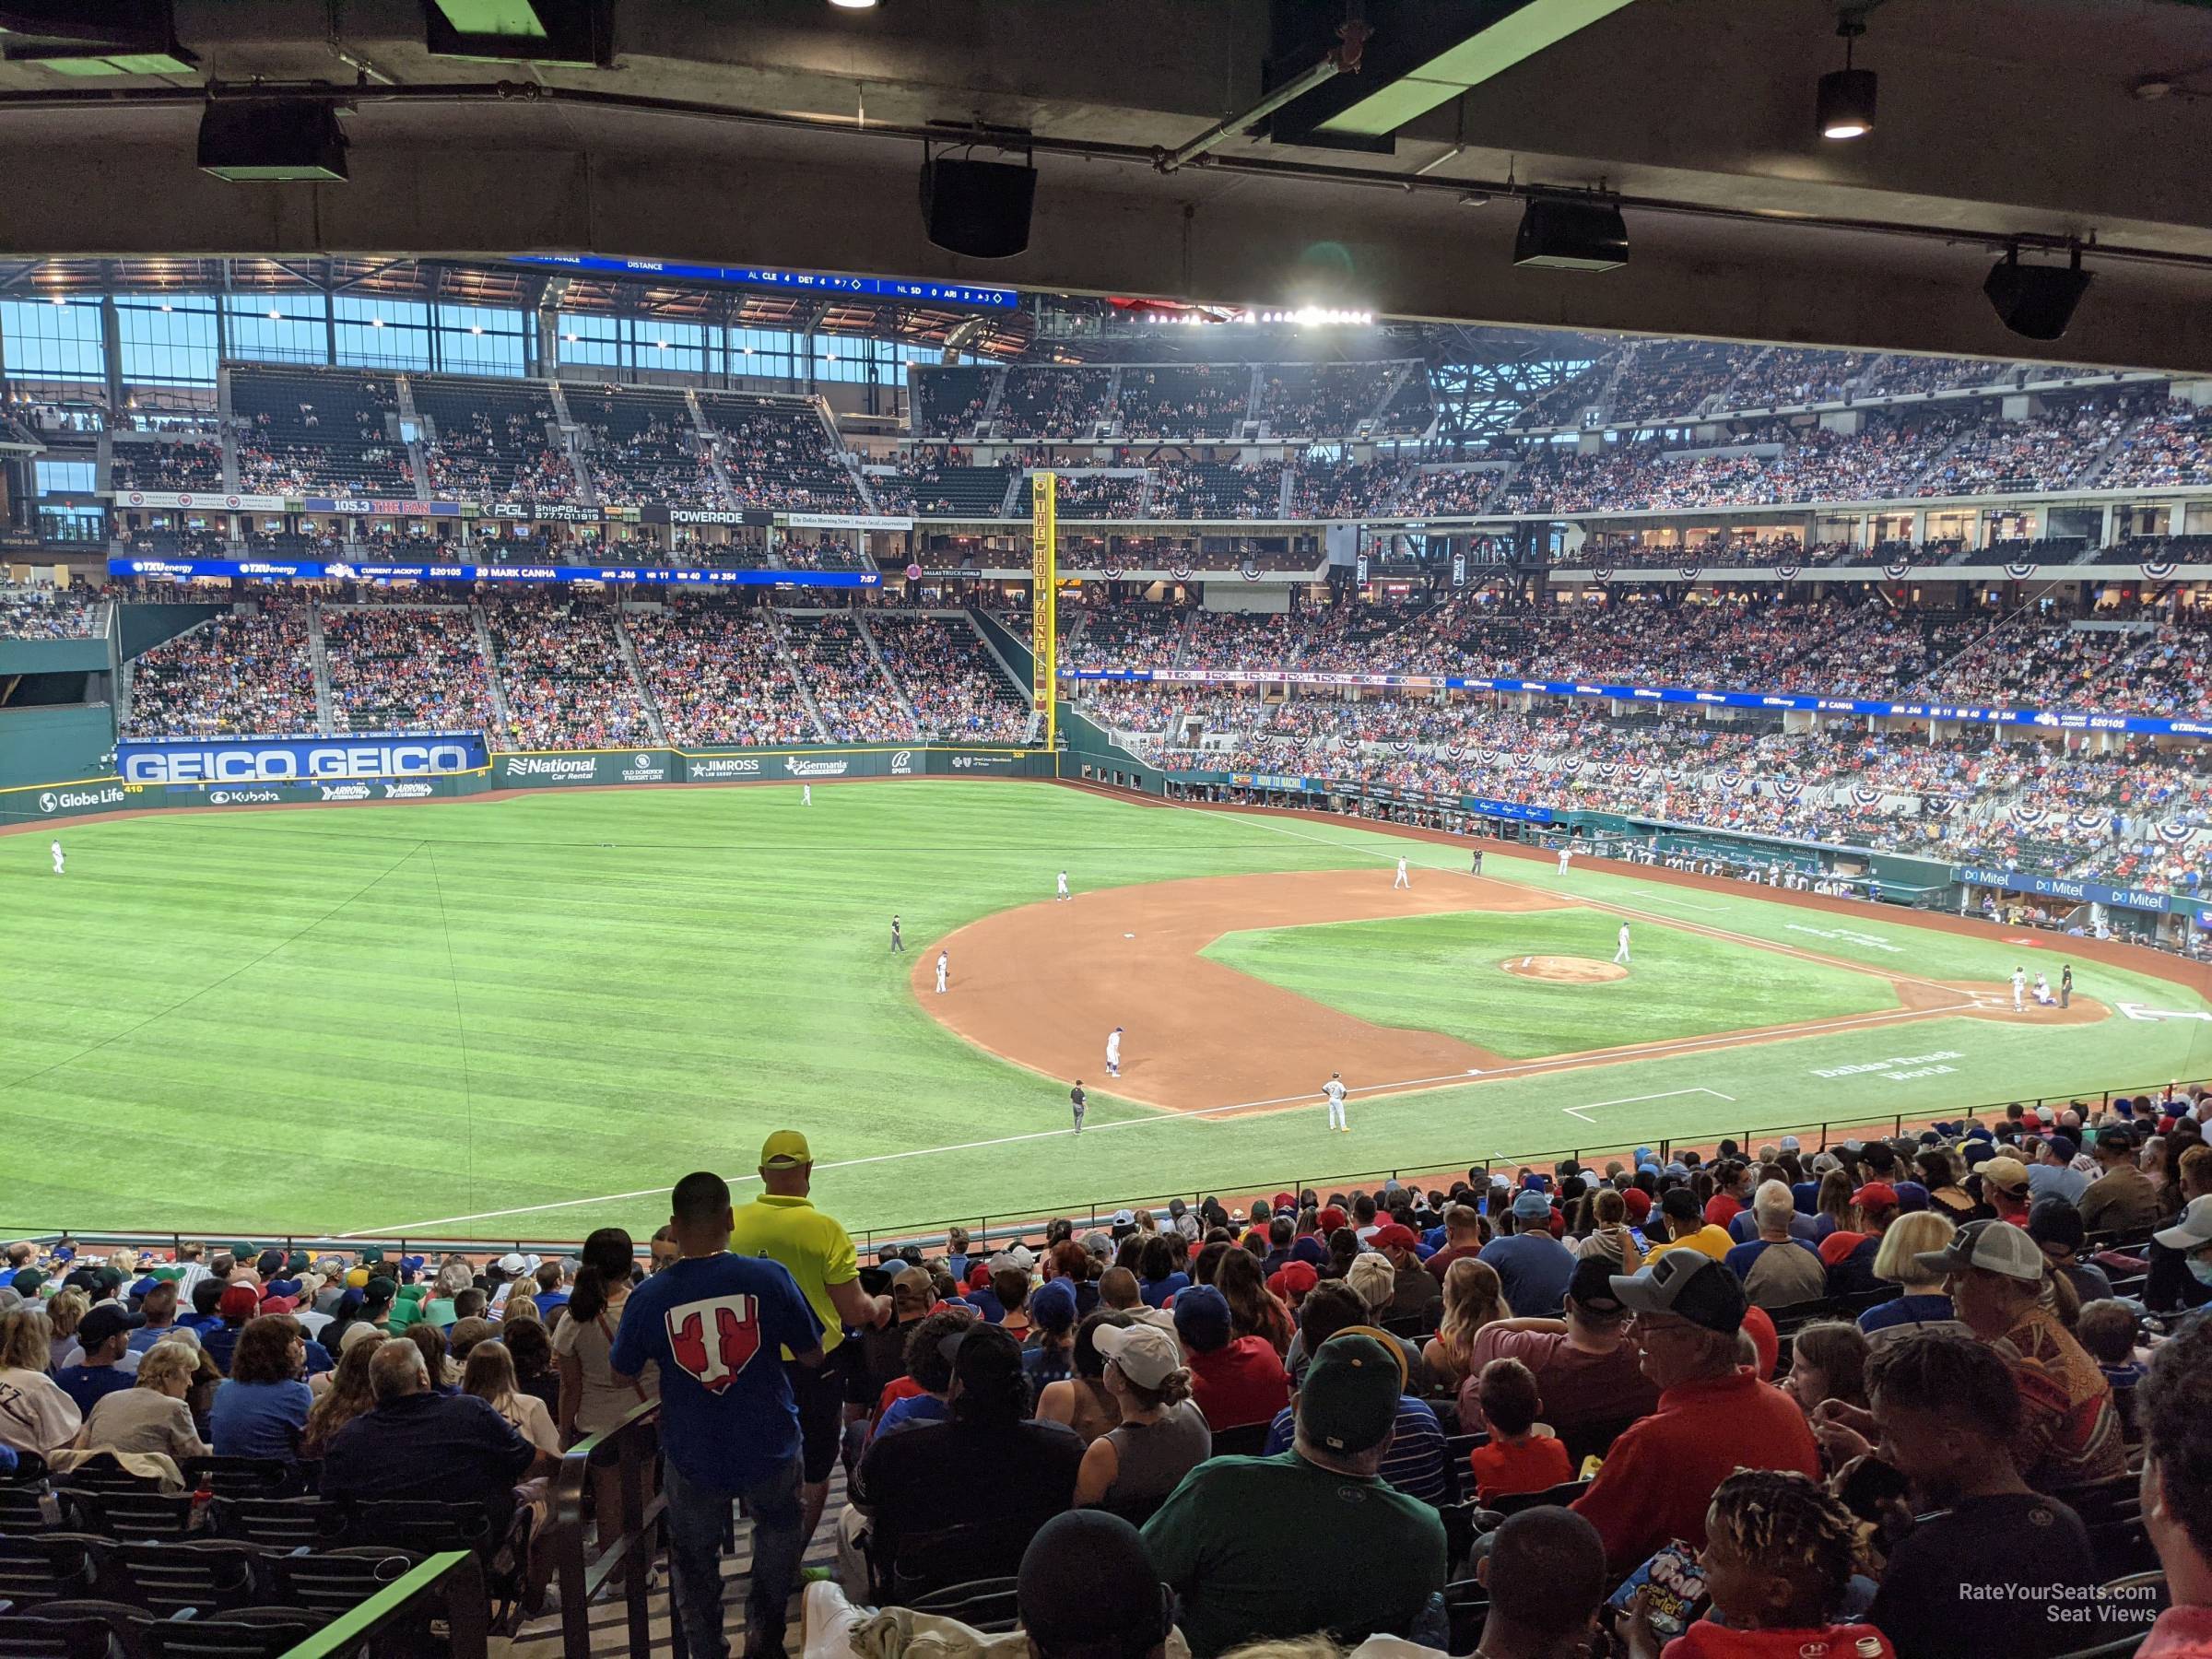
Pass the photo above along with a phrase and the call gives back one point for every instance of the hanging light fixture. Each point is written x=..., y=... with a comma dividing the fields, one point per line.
x=1846, y=99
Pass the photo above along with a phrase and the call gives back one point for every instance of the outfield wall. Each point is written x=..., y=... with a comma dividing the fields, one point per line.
x=534, y=768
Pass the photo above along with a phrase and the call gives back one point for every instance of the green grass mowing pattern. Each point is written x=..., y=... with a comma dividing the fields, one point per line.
x=1447, y=973
x=362, y=1017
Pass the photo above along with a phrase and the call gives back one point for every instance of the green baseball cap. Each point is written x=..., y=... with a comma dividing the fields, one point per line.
x=1350, y=1399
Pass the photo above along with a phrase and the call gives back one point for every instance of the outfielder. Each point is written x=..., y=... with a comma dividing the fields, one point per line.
x=2020, y=989
x=805, y=795
x=1076, y=1098
x=1565, y=853
x=1113, y=1053
x=1334, y=1089
x=1063, y=892
x=1621, y=955
x=944, y=967
x=898, y=940
x=57, y=857
x=1403, y=880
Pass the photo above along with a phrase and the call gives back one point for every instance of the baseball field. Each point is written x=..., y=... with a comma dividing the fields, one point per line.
x=524, y=1016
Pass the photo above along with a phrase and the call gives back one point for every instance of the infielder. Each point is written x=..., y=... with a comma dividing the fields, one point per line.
x=1565, y=853
x=805, y=795
x=1063, y=892
x=1076, y=1098
x=1334, y=1089
x=1403, y=880
x=1622, y=956
x=944, y=966
x=1113, y=1053
x=898, y=940
x=2020, y=989
x=1476, y=868
x=57, y=857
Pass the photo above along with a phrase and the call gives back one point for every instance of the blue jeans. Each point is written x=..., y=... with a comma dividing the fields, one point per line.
x=696, y=1516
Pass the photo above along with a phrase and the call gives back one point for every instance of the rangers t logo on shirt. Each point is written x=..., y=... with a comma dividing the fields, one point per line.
x=715, y=1339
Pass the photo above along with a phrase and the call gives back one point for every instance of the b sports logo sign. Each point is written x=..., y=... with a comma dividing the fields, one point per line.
x=715, y=1339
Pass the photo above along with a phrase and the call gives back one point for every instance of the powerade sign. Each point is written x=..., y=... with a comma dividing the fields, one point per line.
x=2079, y=892
x=319, y=569
x=2042, y=719
x=297, y=761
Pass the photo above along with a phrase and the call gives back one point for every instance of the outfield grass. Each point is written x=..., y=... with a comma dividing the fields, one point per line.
x=354, y=1018
x=1447, y=973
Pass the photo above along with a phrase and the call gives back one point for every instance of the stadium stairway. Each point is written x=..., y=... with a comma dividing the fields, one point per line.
x=325, y=702
x=491, y=672
x=540, y=1638
x=867, y=637
x=782, y=635
x=637, y=671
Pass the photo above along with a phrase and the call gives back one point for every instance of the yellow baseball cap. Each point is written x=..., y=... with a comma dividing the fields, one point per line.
x=786, y=1149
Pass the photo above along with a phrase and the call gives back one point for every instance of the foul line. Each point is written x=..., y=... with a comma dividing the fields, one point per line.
x=1711, y=909
x=1584, y=1110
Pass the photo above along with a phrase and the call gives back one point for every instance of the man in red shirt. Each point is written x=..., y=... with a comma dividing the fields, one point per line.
x=2175, y=1403
x=1235, y=1380
x=1715, y=1416
x=1462, y=1237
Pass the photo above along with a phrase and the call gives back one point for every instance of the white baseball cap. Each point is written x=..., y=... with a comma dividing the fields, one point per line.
x=1993, y=1246
x=1146, y=1354
x=2194, y=1230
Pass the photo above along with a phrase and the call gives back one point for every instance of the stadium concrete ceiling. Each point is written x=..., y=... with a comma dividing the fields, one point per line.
x=789, y=131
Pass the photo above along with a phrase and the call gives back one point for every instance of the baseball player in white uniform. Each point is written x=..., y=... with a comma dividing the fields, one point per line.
x=2019, y=990
x=1401, y=880
x=944, y=967
x=2043, y=990
x=1334, y=1089
x=1565, y=853
x=805, y=795
x=1621, y=955
x=1063, y=889
x=1113, y=1053
x=57, y=857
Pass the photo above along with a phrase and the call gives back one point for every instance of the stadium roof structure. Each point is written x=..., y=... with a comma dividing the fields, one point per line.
x=792, y=131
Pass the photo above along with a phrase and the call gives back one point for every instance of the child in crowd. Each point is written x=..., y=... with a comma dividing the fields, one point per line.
x=1522, y=1455
x=1778, y=1560
x=2108, y=1329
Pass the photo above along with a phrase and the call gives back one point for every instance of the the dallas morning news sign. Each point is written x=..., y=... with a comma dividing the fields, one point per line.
x=2046, y=720
x=322, y=570
x=298, y=760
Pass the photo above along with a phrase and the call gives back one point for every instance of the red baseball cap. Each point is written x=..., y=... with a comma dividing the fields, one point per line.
x=1329, y=1220
x=1293, y=1278
x=238, y=1302
x=1284, y=1201
x=1875, y=1195
x=1761, y=1326
x=1639, y=1203
x=1396, y=1236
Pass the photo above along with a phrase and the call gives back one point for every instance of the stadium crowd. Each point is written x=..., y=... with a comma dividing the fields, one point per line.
x=250, y=671
x=718, y=674
x=1893, y=1396
x=40, y=612
x=418, y=667
x=958, y=692
x=563, y=675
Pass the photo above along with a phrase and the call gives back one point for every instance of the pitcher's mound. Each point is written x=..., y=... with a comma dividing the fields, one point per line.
x=1565, y=971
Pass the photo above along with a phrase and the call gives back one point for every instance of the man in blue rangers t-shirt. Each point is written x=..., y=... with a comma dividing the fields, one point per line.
x=714, y=1323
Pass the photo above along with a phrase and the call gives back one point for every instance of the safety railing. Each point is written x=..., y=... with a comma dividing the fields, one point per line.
x=1087, y=1210
x=627, y=1539
x=449, y=1585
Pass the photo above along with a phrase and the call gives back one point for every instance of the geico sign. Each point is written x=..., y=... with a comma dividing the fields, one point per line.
x=218, y=763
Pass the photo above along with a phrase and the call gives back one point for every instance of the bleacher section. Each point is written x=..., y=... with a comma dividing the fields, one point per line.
x=641, y=446
x=561, y=670
x=417, y=668
x=777, y=453
x=958, y=691
x=495, y=441
x=1201, y=401
x=168, y=466
x=850, y=691
x=303, y=431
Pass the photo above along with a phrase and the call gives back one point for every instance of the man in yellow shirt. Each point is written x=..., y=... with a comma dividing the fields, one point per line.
x=785, y=1226
x=1687, y=1228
